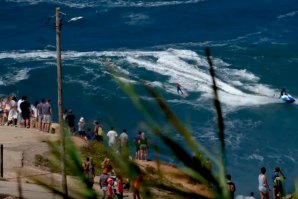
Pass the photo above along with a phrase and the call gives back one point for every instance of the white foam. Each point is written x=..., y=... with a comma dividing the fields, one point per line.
x=75, y=19
x=14, y=77
x=121, y=3
x=237, y=87
x=108, y=3
x=289, y=14
x=255, y=157
x=136, y=19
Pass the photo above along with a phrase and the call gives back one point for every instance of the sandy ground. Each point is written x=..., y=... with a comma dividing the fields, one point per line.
x=20, y=147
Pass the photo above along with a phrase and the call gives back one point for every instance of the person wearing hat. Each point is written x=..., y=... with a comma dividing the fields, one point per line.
x=110, y=188
x=81, y=127
x=278, y=178
x=103, y=182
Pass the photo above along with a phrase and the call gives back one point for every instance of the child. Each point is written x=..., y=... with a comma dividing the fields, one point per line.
x=110, y=188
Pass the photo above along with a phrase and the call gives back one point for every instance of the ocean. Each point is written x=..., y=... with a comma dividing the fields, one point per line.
x=254, y=50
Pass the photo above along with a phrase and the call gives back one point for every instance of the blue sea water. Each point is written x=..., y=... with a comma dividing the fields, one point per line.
x=253, y=46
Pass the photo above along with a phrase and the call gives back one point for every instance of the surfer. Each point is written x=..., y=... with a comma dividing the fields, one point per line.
x=283, y=92
x=179, y=90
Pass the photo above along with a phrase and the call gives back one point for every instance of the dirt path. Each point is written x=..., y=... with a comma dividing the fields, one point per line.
x=21, y=145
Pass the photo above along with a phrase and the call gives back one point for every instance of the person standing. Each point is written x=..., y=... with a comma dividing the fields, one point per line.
x=7, y=108
x=103, y=182
x=81, y=127
x=33, y=115
x=278, y=188
x=179, y=90
x=13, y=113
x=98, y=131
x=110, y=188
x=123, y=140
x=143, y=147
x=136, y=187
x=20, y=111
x=47, y=116
x=112, y=134
x=39, y=114
x=263, y=184
x=119, y=192
x=70, y=120
x=25, y=111
x=89, y=172
x=137, y=144
x=231, y=185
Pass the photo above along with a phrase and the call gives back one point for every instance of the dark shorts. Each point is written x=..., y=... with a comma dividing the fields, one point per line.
x=82, y=133
x=26, y=116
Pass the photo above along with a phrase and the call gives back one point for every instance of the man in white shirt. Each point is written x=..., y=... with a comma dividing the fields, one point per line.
x=112, y=134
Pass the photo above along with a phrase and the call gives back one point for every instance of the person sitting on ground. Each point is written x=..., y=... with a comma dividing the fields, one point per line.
x=283, y=92
x=251, y=196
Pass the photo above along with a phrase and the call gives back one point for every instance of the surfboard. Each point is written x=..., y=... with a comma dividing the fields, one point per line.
x=184, y=95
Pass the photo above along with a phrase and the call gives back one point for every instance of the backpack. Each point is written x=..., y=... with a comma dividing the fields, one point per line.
x=100, y=131
x=277, y=183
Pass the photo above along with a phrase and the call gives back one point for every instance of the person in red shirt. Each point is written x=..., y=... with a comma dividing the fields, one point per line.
x=119, y=187
x=110, y=188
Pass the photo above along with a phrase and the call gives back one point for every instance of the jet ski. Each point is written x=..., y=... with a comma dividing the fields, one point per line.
x=287, y=98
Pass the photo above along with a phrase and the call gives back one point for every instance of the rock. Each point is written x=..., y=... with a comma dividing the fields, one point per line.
x=54, y=128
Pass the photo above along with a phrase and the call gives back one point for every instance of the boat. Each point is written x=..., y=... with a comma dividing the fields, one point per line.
x=287, y=98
